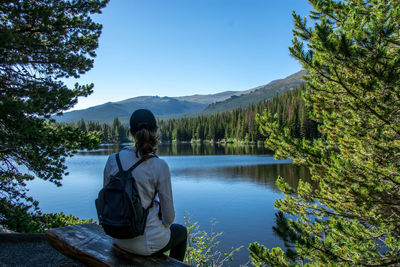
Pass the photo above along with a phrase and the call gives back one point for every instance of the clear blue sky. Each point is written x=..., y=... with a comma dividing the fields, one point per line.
x=185, y=47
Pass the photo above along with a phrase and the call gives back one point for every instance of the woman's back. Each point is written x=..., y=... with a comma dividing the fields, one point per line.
x=152, y=176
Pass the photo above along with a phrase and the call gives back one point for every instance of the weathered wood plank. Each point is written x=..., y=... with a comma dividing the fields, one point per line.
x=89, y=244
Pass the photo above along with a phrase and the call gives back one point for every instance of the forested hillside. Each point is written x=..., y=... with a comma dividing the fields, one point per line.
x=258, y=94
x=238, y=125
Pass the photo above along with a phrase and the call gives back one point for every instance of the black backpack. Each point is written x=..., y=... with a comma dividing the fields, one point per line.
x=119, y=207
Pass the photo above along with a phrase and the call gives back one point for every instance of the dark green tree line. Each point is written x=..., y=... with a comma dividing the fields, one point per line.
x=116, y=133
x=236, y=125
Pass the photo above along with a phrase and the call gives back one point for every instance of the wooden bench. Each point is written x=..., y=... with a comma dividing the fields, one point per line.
x=89, y=244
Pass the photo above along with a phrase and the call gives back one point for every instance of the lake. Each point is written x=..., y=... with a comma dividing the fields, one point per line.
x=235, y=185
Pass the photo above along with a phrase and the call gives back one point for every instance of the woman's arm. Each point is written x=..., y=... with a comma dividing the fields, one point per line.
x=164, y=190
x=107, y=171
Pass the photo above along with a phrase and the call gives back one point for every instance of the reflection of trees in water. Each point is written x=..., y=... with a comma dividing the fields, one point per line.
x=267, y=174
x=260, y=174
x=264, y=175
x=209, y=149
x=104, y=149
x=186, y=149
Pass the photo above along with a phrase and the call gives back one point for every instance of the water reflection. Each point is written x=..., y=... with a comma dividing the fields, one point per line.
x=188, y=162
x=234, y=184
x=260, y=174
x=266, y=174
x=186, y=149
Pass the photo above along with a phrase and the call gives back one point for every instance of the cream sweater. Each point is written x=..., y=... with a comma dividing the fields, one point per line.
x=151, y=176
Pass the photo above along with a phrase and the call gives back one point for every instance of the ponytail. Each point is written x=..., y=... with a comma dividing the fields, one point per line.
x=146, y=142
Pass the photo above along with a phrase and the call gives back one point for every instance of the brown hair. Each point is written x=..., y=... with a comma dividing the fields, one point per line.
x=146, y=141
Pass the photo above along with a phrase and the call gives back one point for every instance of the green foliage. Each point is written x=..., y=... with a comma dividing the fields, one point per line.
x=116, y=133
x=42, y=43
x=351, y=216
x=202, y=246
x=260, y=255
x=19, y=218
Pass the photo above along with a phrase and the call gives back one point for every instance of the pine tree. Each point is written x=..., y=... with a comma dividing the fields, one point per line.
x=42, y=42
x=350, y=216
x=81, y=125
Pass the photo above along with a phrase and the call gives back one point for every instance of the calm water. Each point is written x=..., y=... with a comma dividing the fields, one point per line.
x=233, y=184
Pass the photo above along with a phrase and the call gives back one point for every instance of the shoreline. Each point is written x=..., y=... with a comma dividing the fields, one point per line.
x=200, y=142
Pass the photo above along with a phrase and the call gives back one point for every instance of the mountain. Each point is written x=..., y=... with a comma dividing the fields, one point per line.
x=160, y=106
x=168, y=107
x=257, y=94
x=163, y=107
x=208, y=99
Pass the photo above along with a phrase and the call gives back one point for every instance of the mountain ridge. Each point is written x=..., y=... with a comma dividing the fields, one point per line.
x=258, y=94
x=183, y=105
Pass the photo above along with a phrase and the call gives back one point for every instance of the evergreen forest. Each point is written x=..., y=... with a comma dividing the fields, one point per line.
x=238, y=125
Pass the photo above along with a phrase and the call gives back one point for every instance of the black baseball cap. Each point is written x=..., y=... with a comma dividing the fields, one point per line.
x=142, y=119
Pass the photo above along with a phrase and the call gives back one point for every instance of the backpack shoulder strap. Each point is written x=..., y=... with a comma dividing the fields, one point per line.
x=118, y=162
x=152, y=201
x=136, y=164
x=139, y=162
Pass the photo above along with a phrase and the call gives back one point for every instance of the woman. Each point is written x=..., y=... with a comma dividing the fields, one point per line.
x=152, y=177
